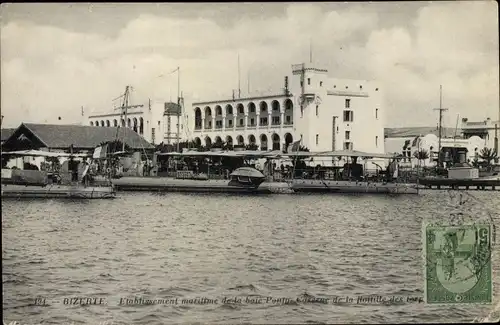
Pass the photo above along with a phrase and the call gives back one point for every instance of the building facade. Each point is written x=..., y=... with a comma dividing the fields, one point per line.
x=487, y=130
x=325, y=113
x=407, y=141
x=60, y=138
x=154, y=121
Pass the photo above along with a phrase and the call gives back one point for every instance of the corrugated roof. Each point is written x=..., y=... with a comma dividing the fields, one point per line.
x=6, y=133
x=63, y=136
x=416, y=131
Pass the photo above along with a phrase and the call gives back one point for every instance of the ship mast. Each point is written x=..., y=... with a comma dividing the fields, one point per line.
x=124, y=110
x=441, y=110
x=178, y=105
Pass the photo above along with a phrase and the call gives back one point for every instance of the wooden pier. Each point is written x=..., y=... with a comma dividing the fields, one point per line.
x=465, y=184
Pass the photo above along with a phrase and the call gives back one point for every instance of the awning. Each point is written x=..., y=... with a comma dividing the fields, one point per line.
x=39, y=153
x=354, y=153
x=278, y=154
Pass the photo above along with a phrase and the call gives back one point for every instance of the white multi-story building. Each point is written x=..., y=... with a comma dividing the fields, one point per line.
x=487, y=130
x=326, y=113
x=156, y=122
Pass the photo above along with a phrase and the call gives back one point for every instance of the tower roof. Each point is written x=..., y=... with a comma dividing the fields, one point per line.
x=298, y=68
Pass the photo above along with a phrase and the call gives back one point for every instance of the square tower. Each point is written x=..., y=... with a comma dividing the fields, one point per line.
x=336, y=114
x=308, y=89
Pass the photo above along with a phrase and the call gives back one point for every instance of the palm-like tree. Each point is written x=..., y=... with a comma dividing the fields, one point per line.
x=421, y=154
x=488, y=155
x=475, y=163
x=301, y=149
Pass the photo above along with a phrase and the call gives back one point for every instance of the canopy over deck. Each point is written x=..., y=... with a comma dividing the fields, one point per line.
x=354, y=153
x=279, y=154
x=39, y=153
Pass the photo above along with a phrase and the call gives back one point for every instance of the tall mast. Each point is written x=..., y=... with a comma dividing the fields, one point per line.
x=178, y=105
x=310, y=51
x=123, y=113
x=441, y=110
x=125, y=104
x=239, y=85
x=496, y=144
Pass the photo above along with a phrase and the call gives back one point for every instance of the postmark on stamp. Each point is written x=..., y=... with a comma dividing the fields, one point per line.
x=457, y=253
x=458, y=268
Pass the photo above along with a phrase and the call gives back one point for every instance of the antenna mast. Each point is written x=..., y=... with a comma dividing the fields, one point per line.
x=441, y=110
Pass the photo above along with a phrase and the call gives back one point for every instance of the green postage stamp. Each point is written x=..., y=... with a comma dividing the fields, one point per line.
x=457, y=263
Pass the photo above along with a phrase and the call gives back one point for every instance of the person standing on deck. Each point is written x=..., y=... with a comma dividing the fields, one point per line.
x=356, y=169
x=391, y=171
x=86, y=173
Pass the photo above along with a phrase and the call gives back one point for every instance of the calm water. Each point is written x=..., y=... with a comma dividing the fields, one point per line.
x=213, y=246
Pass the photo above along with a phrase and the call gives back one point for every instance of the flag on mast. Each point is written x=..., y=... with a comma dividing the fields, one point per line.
x=294, y=147
x=100, y=152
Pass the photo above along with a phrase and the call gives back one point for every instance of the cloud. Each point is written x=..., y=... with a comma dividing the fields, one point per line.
x=48, y=71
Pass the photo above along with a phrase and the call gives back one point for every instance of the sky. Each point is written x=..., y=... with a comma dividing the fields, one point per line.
x=56, y=58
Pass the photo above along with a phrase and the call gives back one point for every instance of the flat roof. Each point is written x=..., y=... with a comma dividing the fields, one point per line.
x=410, y=132
x=231, y=100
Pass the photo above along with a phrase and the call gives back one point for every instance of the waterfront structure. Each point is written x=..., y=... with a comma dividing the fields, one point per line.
x=487, y=130
x=326, y=114
x=207, y=177
x=59, y=138
x=406, y=141
x=153, y=120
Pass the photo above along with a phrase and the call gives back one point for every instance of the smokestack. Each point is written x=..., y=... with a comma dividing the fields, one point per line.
x=286, y=85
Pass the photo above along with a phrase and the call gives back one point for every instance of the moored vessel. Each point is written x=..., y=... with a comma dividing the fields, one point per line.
x=71, y=180
x=210, y=176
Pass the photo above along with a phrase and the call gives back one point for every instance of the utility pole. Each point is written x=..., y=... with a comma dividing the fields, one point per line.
x=441, y=110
